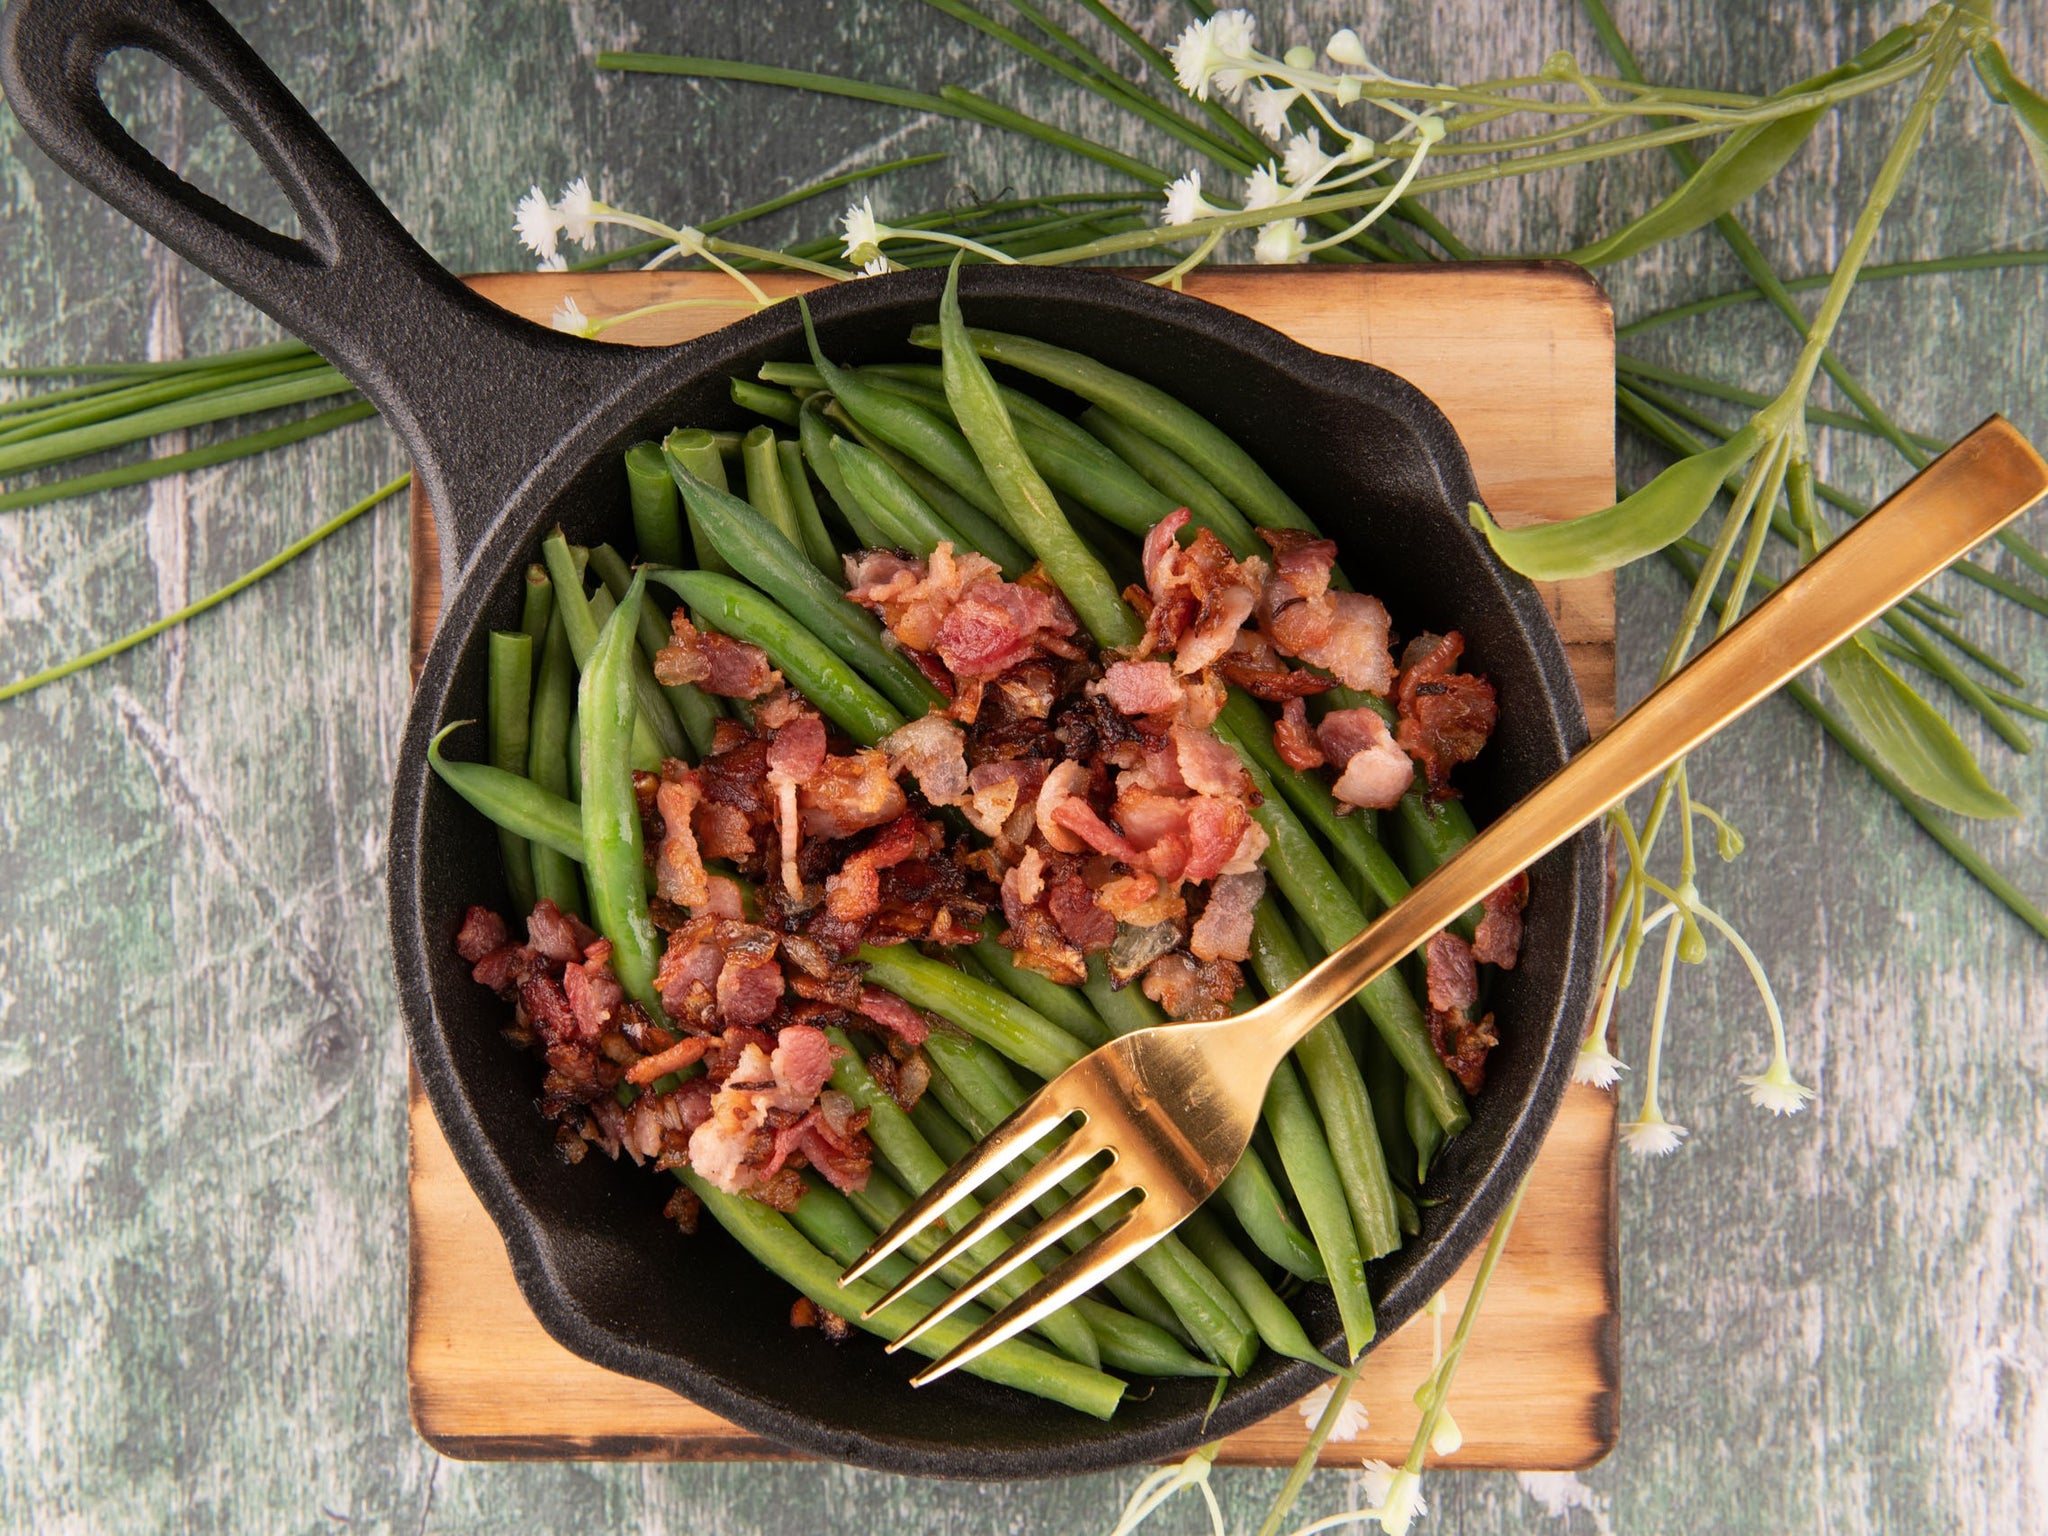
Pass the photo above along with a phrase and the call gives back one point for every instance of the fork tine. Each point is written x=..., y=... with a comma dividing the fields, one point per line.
x=1130, y=1235
x=1032, y=1122
x=1085, y=1206
x=1058, y=1163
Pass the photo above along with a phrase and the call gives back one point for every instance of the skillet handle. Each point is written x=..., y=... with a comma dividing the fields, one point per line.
x=478, y=394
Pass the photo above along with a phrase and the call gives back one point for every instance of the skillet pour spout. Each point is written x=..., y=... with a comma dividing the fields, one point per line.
x=516, y=430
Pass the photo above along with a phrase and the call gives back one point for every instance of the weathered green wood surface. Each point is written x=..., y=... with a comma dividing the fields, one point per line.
x=1833, y=1323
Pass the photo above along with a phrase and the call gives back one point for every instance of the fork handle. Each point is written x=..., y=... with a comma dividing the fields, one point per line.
x=1963, y=497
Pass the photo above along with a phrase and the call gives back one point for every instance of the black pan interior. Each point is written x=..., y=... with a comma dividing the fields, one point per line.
x=1381, y=471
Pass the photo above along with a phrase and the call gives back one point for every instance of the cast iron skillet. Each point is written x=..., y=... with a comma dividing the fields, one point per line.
x=514, y=429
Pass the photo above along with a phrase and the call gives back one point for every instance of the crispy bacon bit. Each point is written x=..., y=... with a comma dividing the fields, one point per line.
x=685, y=1052
x=934, y=752
x=854, y=893
x=913, y=597
x=725, y=1148
x=558, y=935
x=1208, y=767
x=1080, y=921
x=1139, y=687
x=1224, y=930
x=797, y=749
x=482, y=932
x=750, y=983
x=1498, y=938
x=851, y=794
x=1447, y=965
x=894, y=1015
x=1446, y=716
x=730, y=668
x=1373, y=771
x=1188, y=990
x=1295, y=740
x=803, y=1313
x=995, y=625
x=1461, y=1045
x=1200, y=597
x=678, y=862
x=1276, y=685
x=684, y=1209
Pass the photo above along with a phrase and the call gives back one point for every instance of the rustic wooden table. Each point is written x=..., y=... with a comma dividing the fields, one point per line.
x=1832, y=1322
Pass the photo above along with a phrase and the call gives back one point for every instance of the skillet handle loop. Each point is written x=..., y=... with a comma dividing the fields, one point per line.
x=478, y=394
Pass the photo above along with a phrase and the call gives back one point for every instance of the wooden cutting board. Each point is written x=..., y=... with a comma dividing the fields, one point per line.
x=1521, y=359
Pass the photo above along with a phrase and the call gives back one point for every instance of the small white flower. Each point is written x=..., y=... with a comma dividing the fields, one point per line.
x=555, y=263
x=1267, y=106
x=1652, y=1136
x=860, y=233
x=1351, y=1418
x=878, y=266
x=1262, y=189
x=1304, y=160
x=569, y=319
x=1207, y=50
x=577, y=211
x=1346, y=47
x=1185, y=203
x=1396, y=1493
x=1281, y=242
x=1596, y=1066
x=537, y=222
x=1776, y=1091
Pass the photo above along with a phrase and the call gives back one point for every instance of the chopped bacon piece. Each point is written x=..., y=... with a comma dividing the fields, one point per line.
x=998, y=790
x=731, y=668
x=1498, y=938
x=1023, y=884
x=1294, y=740
x=1199, y=596
x=1461, y=1045
x=1081, y=922
x=1066, y=783
x=684, y=1208
x=593, y=991
x=997, y=624
x=934, y=752
x=682, y=661
x=894, y=1015
x=1078, y=817
x=915, y=597
x=1446, y=716
x=482, y=932
x=1040, y=947
x=1373, y=771
x=685, y=1052
x=1224, y=930
x=558, y=935
x=1275, y=685
x=1452, y=978
x=724, y=832
x=797, y=749
x=1222, y=838
x=1191, y=990
x=678, y=861
x=1207, y=766
x=750, y=982
x=726, y=1149
x=721, y=899
x=854, y=892
x=851, y=794
x=1139, y=687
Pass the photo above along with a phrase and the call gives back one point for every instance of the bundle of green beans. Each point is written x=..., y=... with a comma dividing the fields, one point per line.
x=909, y=456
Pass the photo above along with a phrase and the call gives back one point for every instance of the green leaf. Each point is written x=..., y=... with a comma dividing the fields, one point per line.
x=2029, y=107
x=1639, y=525
x=1908, y=735
x=1746, y=160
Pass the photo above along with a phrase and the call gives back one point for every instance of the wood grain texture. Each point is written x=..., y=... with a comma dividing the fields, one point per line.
x=1521, y=361
x=1835, y=1323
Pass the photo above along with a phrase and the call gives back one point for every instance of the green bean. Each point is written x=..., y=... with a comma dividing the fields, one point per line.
x=1280, y=1329
x=1201, y=1304
x=1298, y=866
x=1386, y=1085
x=768, y=560
x=1175, y=480
x=1026, y=497
x=537, y=608
x=815, y=436
x=576, y=773
x=939, y=446
x=1023, y=1035
x=817, y=539
x=776, y=404
x=1128, y=1343
x=1423, y=1131
x=658, y=725
x=766, y=493
x=1249, y=1191
x=913, y=1160
x=973, y=528
x=657, y=515
x=697, y=451
x=1350, y=1131
x=1064, y=1006
x=695, y=710
x=511, y=800
x=555, y=876
x=940, y=1128
x=780, y=1248
x=1311, y=1168
x=510, y=702
x=905, y=520
x=613, y=865
x=1151, y=410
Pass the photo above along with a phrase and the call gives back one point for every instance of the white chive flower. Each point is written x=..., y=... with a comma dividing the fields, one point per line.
x=1208, y=51
x=1596, y=1066
x=570, y=320
x=1262, y=189
x=1396, y=1493
x=1775, y=1089
x=555, y=263
x=878, y=266
x=1652, y=1135
x=578, y=211
x=861, y=234
x=1346, y=47
x=1185, y=203
x=1351, y=1418
x=1267, y=107
x=538, y=223
x=1281, y=242
x=1304, y=160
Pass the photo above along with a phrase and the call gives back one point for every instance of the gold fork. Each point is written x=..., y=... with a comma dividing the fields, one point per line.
x=1172, y=1108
